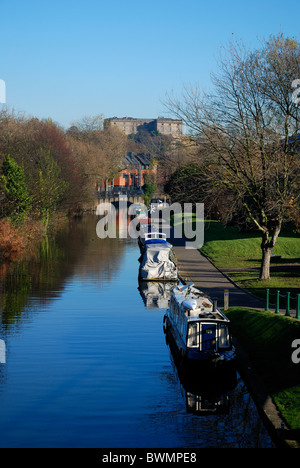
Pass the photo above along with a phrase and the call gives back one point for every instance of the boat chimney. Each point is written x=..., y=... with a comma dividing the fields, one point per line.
x=215, y=305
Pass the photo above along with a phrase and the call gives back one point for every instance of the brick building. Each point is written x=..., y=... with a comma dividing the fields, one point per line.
x=133, y=175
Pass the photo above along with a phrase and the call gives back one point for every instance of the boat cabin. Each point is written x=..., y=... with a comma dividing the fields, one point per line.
x=199, y=327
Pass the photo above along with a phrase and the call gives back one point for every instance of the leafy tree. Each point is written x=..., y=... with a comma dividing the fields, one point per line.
x=15, y=190
x=149, y=189
x=184, y=185
x=51, y=186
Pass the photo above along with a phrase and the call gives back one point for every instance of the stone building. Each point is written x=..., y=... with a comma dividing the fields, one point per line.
x=130, y=125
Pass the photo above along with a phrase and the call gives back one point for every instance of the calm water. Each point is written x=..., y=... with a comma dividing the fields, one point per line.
x=87, y=362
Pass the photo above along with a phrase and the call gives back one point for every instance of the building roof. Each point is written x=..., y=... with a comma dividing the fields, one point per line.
x=137, y=159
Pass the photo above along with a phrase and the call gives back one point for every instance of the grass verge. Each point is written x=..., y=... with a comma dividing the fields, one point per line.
x=239, y=255
x=267, y=339
x=227, y=245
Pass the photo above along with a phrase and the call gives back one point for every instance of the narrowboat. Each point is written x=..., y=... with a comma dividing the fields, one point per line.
x=200, y=331
x=157, y=260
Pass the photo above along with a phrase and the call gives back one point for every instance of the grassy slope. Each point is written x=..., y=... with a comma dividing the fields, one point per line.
x=268, y=338
x=228, y=248
x=242, y=250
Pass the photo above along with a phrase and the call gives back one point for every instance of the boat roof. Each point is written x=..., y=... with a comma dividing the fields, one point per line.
x=196, y=304
x=146, y=230
x=155, y=235
x=158, y=244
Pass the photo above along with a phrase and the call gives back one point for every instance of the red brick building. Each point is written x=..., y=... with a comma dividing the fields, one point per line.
x=133, y=176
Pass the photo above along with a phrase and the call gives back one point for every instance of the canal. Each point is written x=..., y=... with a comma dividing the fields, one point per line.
x=87, y=363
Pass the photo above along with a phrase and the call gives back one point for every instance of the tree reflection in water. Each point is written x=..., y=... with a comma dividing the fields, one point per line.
x=52, y=262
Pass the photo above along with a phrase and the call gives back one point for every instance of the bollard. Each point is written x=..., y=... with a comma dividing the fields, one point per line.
x=226, y=299
x=298, y=307
x=287, y=313
x=267, y=299
x=277, y=302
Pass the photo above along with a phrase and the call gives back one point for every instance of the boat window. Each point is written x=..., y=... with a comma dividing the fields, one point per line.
x=224, y=339
x=193, y=335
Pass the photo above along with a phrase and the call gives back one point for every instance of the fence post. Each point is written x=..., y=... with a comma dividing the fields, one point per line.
x=287, y=304
x=277, y=302
x=226, y=299
x=267, y=299
x=298, y=307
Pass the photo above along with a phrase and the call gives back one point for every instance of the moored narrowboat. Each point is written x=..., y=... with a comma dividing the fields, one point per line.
x=200, y=331
x=157, y=260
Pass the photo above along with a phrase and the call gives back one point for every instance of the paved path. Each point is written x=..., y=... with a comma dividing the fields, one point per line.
x=195, y=267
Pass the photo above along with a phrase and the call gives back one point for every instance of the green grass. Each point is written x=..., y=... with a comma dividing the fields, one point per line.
x=267, y=338
x=227, y=246
x=239, y=253
x=284, y=281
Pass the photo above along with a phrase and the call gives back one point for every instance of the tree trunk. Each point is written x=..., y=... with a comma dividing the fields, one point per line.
x=265, y=263
x=267, y=247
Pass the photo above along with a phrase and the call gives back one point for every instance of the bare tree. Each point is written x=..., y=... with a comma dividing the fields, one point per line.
x=99, y=154
x=89, y=123
x=247, y=130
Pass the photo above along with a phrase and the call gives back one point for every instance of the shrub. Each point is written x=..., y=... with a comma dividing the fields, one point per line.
x=12, y=242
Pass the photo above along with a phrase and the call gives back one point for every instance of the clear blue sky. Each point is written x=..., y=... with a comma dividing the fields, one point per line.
x=68, y=59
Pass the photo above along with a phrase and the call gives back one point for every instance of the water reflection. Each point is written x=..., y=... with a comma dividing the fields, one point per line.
x=56, y=259
x=87, y=363
x=218, y=405
x=207, y=391
x=155, y=295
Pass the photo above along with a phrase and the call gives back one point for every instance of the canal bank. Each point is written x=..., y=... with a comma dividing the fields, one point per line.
x=197, y=268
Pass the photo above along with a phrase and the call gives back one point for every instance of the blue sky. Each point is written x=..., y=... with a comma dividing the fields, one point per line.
x=68, y=59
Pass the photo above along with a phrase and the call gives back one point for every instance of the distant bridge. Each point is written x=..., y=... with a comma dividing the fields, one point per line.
x=117, y=197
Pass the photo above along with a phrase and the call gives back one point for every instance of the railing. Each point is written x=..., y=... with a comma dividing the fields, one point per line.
x=287, y=297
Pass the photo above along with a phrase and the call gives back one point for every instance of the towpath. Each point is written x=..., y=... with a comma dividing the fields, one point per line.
x=195, y=267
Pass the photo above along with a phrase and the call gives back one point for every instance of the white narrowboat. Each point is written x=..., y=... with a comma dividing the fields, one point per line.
x=200, y=331
x=157, y=260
